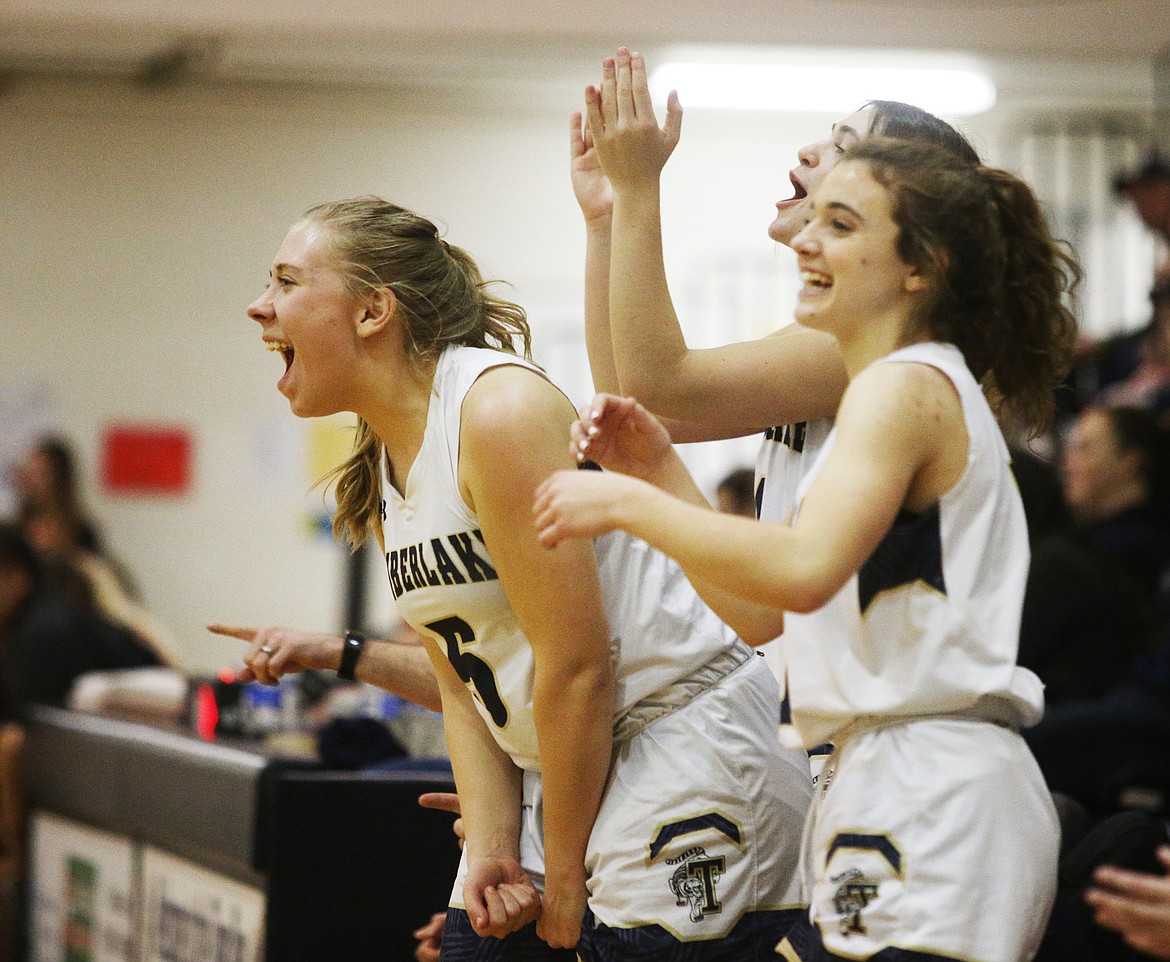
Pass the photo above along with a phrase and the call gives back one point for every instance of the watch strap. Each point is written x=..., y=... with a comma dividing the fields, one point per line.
x=350, y=653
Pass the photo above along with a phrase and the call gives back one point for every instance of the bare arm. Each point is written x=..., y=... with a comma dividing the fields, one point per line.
x=556, y=597
x=595, y=197
x=592, y=190
x=719, y=392
x=895, y=428
x=399, y=667
x=117, y=605
x=621, y=435
x=497, y=894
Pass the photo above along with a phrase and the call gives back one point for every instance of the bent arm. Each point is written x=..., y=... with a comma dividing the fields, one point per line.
x=755, y=622
x=557, y=601
x=793, y=375
x=400, y=667
x=589, y=182
x=489, y=787
x=621, y=435
x=634, y=340
x=886, y=437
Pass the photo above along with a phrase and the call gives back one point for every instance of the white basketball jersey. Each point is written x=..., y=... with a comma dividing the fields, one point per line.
x=785, y=454
x=446, y=586
x=930, y=624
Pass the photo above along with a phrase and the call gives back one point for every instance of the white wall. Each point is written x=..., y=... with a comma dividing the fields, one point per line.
x=139, y=224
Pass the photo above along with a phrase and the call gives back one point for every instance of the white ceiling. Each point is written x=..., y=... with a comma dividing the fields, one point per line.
x=433, y=40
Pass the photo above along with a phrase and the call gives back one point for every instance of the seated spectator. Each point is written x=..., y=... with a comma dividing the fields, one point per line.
x=1147, y=383
x=51, y=507
x=46, y=640
x=1112, y=751
x=47, y=474
x=90, y=580
x=1129, y=369
x=1092, y=601
x=1114, y=484
x=54, y=520
x=1105, y=736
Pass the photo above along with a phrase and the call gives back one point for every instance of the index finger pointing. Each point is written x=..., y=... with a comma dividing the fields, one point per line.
x=233, y=631
x=443, y=801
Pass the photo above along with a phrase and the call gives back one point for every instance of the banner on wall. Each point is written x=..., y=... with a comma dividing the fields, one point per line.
x=82, y=889
x=191, y=914
x=145, y=459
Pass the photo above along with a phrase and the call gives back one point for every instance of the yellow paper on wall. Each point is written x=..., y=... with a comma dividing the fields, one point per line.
x=329, y=443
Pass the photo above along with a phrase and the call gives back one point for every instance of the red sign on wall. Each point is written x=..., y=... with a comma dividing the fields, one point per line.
x=146, y=460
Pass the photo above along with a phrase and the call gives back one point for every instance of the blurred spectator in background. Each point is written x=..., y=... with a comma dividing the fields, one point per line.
x=1148, y=187
x=1095, y=625
x=51, y=508
x=47, y=640
x=1093, y=595
x=46, y=475
x=56, y=522
x=1115, y=484
x=1131, y=369
x=736, y=494
x=1147, y=383
x=1095, y=621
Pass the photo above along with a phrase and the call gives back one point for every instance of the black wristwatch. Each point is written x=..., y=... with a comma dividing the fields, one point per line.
x=350, y=653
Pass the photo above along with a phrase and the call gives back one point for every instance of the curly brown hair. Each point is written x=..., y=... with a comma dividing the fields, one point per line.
x=1001, y=283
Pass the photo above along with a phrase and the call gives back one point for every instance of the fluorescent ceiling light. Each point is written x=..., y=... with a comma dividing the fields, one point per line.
x=832, y=81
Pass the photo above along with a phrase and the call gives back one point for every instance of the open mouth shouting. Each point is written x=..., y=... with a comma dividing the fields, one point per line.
x=799, y=193
x=286, y=352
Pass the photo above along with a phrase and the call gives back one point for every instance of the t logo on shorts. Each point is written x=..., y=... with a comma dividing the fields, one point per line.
x=694, y=880
x=853, y=894
x=857, y=886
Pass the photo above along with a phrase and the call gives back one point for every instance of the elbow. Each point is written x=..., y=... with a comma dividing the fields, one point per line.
x=602, y=686
x=806, y=602
x=761, y=632
x=656, y=384
x=808, y=597
x=640, y=385
x=431, y=699
x=584, y=684
x=805, y=589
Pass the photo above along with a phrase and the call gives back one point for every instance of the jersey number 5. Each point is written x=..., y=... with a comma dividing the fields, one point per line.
x=456, y=633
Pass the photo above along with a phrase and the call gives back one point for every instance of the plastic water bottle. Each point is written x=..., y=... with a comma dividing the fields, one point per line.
x=263, y=709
